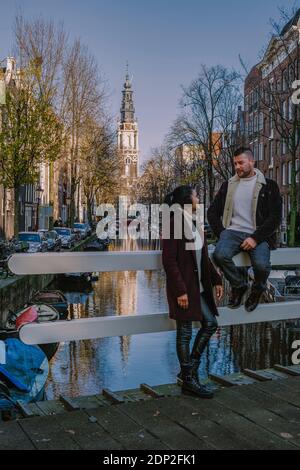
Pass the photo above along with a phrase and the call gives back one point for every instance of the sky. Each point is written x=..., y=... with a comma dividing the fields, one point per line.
x=164, y=41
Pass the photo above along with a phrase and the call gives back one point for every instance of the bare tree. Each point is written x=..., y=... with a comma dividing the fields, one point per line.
x=40, y=45
x=209, y=110
x=157, y=179
x=83, y=94
x=100, y=164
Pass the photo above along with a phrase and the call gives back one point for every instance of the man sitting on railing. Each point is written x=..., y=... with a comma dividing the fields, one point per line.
x=244, y=216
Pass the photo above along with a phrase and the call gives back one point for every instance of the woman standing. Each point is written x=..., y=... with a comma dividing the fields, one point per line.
x=190, y=279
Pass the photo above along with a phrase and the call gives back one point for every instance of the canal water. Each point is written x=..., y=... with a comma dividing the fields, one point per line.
x=120, y=363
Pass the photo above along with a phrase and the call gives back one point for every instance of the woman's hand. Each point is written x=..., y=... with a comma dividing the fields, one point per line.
x=219, y=292
x=183, y=301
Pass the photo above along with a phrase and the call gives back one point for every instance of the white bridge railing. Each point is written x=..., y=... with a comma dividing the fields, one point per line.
x=90, y=328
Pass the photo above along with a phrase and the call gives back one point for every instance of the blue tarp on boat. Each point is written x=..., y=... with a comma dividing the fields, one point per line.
x=25, y=372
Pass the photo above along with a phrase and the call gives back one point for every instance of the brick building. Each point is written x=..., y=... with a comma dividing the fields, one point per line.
x=271, y=121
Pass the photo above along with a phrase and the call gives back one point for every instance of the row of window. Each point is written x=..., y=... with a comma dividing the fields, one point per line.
x=286, y=173
x=282, y=83
x=285, y=177
x=266, y=151
x=259, y=121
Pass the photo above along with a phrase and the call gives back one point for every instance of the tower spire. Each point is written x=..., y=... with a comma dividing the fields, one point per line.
x=128, y=143
x=127, y=107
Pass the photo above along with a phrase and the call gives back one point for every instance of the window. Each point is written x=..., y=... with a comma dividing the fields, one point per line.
x=297, y=170
x=265, y=125
x=256, y=123
x=291, y=109
x=284, y=80
x=255, y=150
x=261, y=152
x=271, y=154
x=271, y=125
x=277, y=147
x=251, y=124
x=283, y=147
x=261, y=121
x=296, y=68
x=290, y=172
x=283, y=174
x=291, y=73
x=251, y=99
x=284, y=110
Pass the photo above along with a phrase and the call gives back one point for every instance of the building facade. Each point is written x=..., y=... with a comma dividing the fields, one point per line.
x=269, y=114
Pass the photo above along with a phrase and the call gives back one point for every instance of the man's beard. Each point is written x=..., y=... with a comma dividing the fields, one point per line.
x=244, y=174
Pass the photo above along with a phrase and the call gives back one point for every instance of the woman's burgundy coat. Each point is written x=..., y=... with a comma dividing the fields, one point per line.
x=182, y=278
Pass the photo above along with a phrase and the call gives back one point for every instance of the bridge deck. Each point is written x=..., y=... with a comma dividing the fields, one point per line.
x=251, y=410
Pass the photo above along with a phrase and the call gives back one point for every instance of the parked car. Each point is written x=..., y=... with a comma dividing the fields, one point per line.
x=53, y=239
x=81, y=229
x=36, y=241
x=66, y=235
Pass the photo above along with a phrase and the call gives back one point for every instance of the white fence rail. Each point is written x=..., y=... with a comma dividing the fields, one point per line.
x=90, y=328
x=58, y=263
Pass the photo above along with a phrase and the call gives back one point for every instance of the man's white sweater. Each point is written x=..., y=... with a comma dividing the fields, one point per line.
x=242, y=206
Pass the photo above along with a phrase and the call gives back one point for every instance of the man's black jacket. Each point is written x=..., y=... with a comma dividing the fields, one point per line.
x=268, y=212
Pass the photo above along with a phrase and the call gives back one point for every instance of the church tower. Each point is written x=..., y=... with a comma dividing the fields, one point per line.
x=128, y=144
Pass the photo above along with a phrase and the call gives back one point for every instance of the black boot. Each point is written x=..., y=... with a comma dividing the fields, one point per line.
x=236, y=297
x=195, y=375
x=190, y=386
x=195, y=367
x=253, y=299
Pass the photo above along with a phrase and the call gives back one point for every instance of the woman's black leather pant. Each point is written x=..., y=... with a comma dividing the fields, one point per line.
x=184, y=335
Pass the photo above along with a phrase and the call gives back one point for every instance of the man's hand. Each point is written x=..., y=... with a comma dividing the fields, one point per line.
x=183, y=301
x=249, y=244
x=219, y=292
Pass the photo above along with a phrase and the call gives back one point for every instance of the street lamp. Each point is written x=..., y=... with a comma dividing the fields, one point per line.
x=38, y=192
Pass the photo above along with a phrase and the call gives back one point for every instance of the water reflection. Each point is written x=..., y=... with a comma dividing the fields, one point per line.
x=85, y=367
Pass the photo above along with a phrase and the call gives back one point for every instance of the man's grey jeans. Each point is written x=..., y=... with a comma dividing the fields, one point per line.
x=228, y=246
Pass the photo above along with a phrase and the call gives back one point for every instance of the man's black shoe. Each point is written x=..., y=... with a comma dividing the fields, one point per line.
x=253, y=299
x=236, y=296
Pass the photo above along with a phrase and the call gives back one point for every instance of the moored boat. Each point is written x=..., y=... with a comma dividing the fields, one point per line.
x=33, y=313
x=23, y=374
x=55, y=298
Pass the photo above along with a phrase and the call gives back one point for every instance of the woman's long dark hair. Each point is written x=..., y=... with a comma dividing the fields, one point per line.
x=181, y=195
